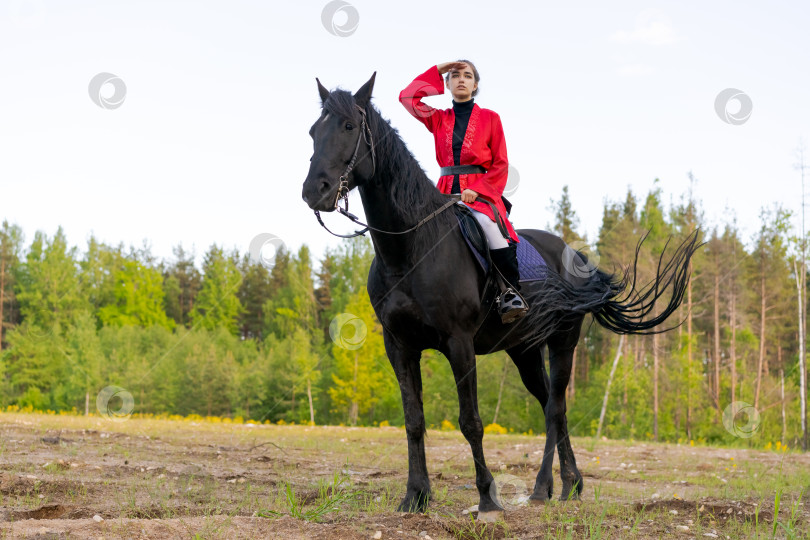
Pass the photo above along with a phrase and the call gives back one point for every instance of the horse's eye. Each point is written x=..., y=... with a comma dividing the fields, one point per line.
x=349, y=126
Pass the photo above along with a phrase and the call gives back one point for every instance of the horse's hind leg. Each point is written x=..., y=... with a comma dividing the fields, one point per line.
x=560, y=363
x=571, y=477
x=529, y=361
x=406, y=367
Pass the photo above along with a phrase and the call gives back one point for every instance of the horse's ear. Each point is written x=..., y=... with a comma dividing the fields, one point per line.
x=363, y=95
x=322, y=91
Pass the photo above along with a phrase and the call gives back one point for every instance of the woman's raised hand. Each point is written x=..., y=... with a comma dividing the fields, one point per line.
x=450, y=66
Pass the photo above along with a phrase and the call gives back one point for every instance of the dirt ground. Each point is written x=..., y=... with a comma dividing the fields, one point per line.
x=77, y=477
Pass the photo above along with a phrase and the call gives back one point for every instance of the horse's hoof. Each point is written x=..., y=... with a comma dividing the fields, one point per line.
x=542, y=494
x=572, y=492
x=538, y=501
x=410, y=508
x=414, y=504
x=490, y=517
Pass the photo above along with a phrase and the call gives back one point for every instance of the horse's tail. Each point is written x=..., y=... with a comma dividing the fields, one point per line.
x=613, y=300
x=626, y=310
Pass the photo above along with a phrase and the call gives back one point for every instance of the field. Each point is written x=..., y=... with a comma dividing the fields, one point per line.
x=89, y=477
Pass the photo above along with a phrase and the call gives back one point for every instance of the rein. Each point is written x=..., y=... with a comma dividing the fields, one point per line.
x=353, y=218
x=453, y=200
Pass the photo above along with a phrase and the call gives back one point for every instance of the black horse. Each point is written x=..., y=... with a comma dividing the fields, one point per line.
x=426, y=286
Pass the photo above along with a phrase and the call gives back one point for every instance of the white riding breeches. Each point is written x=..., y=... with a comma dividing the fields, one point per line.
x=491, y=230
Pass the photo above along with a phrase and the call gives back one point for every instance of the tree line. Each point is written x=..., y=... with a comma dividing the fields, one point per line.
x=296, y=340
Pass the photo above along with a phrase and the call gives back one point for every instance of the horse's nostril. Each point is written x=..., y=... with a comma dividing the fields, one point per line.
x=324, y=186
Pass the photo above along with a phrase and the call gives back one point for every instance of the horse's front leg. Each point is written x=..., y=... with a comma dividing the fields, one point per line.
x=406, y=367
x=461, y=354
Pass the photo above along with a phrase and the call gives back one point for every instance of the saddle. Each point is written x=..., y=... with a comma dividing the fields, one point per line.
x=531, y=265
x=477, y=242
x=473, y=234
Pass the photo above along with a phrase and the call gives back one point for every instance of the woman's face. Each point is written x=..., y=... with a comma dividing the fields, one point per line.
x=462, y=83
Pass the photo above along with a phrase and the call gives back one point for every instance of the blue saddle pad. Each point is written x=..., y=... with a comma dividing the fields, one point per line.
x=531, y=264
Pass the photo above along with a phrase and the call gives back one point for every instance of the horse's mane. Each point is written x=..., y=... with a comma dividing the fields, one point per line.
x=412, y=194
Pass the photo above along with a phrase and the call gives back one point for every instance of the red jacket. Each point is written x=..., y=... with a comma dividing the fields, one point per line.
x=483, y=144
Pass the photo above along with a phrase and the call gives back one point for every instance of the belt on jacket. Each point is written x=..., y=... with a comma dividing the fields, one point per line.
x=472, y=169
x=462, y=169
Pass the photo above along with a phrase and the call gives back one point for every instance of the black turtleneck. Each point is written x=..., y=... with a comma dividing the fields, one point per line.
x=462, y=111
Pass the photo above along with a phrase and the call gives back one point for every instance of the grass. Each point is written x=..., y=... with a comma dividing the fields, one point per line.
x=470, y=529
x=331, y=498
x=353, y=479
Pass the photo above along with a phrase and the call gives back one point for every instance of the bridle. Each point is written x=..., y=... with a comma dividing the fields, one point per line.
x=343, y=187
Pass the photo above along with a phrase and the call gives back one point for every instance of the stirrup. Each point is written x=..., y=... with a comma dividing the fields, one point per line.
x=511, y=306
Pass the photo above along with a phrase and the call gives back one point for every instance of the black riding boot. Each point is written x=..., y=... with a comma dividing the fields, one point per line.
x=511, y=306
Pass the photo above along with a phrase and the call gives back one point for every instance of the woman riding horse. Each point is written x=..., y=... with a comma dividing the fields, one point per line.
x=474, y=165
x=424, y=285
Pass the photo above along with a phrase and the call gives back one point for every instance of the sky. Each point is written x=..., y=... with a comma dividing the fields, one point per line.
x=204, y=140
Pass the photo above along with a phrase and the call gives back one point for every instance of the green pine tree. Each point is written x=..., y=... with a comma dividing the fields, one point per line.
x=217, y=303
